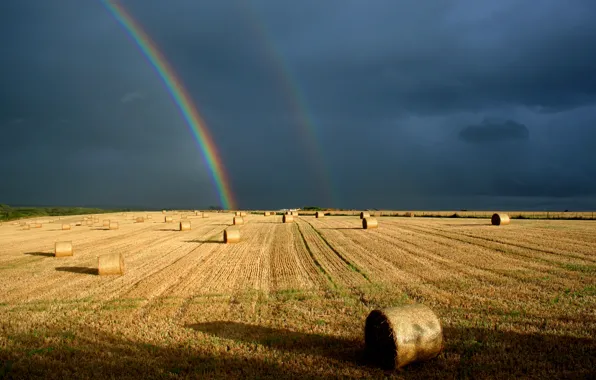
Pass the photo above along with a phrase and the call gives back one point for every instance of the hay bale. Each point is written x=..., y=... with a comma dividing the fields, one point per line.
x=410, y=214
x=205, y=215
x=106, y=222
x=185, y=225
x=238, y=220
x=149, y=217
x=89, y=222
x=500, y=219
x=140, y=219
x=319, y=214
x=231, y=235
x=368, y=223
x=168, y=219
x=266, y=213
x=288, y=218
x=78, y=223
x=63, y=248
x=364, y=214
x=110, y=264
x=36, y=225
x=113, y=226
x=163, y=211
x=398, y=336
x=272, y=213
x=242, y=213
x=237, y=213
x=66, y=226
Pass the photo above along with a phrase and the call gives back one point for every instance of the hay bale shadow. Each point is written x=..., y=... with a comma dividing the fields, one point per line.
x=167, y=229
x=340, y=228
x=281, y=339
x=204, y=241
x=44, y=254
x=80, y=270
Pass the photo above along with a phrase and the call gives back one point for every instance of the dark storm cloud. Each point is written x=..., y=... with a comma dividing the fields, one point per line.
x=491, y=131
x=388, y=85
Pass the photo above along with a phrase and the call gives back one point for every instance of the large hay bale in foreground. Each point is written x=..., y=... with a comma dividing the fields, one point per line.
x=63, y=248
x=368, y=223
x=110, y=264
x=238, y=220
x=364, y=214
x=231, y=235
x=398, y=336
x=66, y=227
x=106, y=222
x=185, y=225
x=113, y=226
x=500, y=219
x=288, y=218
x=168, y=219
x=319, y=214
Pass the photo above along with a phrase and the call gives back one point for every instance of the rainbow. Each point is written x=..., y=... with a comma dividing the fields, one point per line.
x=181, y=97
x=296, y=101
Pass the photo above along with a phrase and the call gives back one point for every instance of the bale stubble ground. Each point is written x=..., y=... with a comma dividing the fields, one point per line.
x=291, y=299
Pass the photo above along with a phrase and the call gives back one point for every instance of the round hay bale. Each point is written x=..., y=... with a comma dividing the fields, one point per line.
x=231, y=235
x=89, y=222
x=113, y=226
x=238, y=220
x=63, y=248
x=78, y=223
x=163, y=211
x=272, y=213
x=168, y=219
x=398, y=336
x=364, y=214
x=410, y=214
x=288, y=218
x=237, y=213
x=110, y=264
x=500, y=219
x=36, y=225
x=106, y=222
x=368, y=223
x=266, y=213
x=185, y=225
x=242, y=213
x=149, y=217
x=140, y=219
x=66, y=226
x=319, y=214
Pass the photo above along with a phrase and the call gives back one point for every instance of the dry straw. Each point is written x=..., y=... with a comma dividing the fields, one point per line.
x=149, y=217
x=26, y=227
x=163, y=211
x=36, y=225
x=89, y=222
x=398, y=336
x=185, y=225
x=63, y=248
x=266, y=213
x=500, y=219
x=364, y=214
x=66, y=226
x=238, y=220
x=167, y=219
x=237, y=213
x=410, y=214
x=110, y=264
x=140, y=219
x=184, y=217
x=319, y=214
x=231, y=235
x=288, y=218
x=113, y=226
x=242, y=213
x=368, y=223
x=106, y=222
x=205, y=215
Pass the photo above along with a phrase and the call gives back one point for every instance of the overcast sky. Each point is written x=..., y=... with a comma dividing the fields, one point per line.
x=355, y=104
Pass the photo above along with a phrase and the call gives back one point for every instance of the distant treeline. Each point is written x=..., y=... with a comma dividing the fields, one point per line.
x=10, y=213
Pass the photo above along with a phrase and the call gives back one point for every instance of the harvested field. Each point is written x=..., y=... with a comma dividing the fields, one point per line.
x=291, y=299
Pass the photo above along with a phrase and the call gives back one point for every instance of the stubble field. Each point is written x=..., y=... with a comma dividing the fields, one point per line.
x=290, y=300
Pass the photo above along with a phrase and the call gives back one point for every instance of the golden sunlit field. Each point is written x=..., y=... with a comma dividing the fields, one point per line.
x=290, y=300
